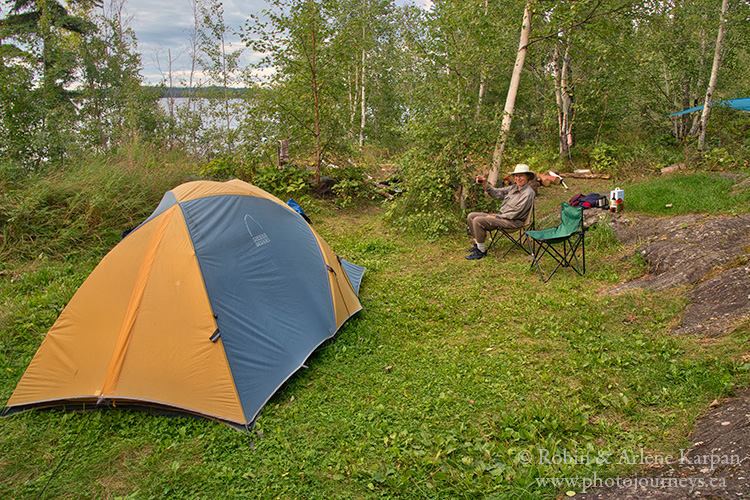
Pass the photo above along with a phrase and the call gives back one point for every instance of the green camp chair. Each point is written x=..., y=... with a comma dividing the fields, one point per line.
x=561, y=243
x=516, y=236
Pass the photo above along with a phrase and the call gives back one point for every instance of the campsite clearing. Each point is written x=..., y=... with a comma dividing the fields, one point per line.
x=456, y=380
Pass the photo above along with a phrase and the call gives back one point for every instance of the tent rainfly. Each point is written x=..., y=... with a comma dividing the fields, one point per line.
x=206, y=309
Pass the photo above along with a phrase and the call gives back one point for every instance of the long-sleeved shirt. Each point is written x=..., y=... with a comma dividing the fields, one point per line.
x=516, y=202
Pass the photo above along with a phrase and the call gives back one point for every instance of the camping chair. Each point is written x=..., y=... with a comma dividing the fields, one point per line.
x=516, y=236
x=561, y=243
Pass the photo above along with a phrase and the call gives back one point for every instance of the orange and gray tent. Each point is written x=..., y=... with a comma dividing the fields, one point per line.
x=206, y=308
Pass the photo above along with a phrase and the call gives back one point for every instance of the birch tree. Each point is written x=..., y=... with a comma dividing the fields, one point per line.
x=714, y=74
x=563, y=98
x=221, y=65
x=510, y=100
x=114, y=107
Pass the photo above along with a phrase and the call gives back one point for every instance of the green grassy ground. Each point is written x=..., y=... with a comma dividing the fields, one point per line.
x=458, y=379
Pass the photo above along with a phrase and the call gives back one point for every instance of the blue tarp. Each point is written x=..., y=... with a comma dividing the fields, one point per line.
x=742, y=104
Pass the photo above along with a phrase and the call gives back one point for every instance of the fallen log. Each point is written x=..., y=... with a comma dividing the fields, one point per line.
x=587, y=175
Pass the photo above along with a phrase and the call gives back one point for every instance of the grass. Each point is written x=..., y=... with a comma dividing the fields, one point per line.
x=452, y=375
x=689, y=193
x=84, y=209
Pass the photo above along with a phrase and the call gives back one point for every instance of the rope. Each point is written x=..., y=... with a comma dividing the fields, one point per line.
x=65, y=455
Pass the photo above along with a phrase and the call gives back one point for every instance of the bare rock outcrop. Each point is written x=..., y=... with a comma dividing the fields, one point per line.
x=709, y=252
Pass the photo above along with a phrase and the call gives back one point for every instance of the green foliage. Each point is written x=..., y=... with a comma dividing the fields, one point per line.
x=291, y=181
x=221, y=66
x=349, y=185
x=427, y=205
x=688, y=193
x=326, y=57
x=604, y=158
x=718, y=159
x=540, y=160
x=40, y=35
x=221, y=168
x=21, y=114
x=113, y=108
x=84, y=206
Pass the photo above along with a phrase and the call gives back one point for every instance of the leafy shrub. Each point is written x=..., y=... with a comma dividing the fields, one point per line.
x=604, y=158
x=349, y=184
x=718, y=159
x=427, y=205
x=221, y=168
x=292, y=181
x=540, y=160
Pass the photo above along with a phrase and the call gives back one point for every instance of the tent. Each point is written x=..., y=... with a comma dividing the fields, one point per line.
x=738, y=104
x=206, y=308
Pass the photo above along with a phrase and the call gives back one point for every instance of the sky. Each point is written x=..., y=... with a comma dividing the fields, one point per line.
x=162, y=32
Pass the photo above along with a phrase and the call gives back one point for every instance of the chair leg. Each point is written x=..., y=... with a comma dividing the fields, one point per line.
x=536, y=257
x=580, y=266
x=493, y=240
x=497, y=236
x=583, y=250
x=568, y=257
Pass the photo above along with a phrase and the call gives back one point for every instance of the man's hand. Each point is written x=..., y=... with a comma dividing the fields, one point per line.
x=481, y=180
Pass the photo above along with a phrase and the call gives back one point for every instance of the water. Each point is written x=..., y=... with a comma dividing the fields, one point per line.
x=211, y=113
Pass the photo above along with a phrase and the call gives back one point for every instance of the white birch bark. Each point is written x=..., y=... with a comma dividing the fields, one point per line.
x=563, y=99
x=510, y=101
x=362, y=103
x=714, y=75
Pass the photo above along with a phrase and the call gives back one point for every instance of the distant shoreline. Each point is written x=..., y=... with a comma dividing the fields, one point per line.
x=178, y=92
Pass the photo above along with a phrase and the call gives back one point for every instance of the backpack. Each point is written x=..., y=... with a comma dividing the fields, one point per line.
x=591, y=200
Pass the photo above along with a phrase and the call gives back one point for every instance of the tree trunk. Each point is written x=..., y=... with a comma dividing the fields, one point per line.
x=482, y=76
x=193, y=62
x=362, y=103
x=696, y=123
x=353, y=91
x=227, y=104
x=170, y=103
x=482, y=90
x=510, y=101
x=316, y=101
x=563, y=99
x=714, y=75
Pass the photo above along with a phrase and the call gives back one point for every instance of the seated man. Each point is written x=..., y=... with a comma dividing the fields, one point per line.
x=517, y=200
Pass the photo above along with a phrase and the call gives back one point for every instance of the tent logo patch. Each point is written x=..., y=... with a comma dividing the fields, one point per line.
x=260, y=238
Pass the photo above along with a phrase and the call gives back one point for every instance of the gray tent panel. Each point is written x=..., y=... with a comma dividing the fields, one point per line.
x=268, y=284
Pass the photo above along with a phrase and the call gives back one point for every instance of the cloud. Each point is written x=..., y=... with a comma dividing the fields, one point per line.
x=163, y=32
x=424, y=4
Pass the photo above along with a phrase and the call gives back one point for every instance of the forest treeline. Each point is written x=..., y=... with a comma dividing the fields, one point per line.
x=438, y=94
x=196, y=92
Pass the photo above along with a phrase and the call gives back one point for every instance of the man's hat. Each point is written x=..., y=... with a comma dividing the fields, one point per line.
x=522, y=168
